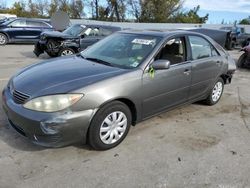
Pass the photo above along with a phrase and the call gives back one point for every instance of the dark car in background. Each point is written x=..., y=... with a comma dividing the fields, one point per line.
x=238, y=35
x=223, y=38
x=23, y=30
x=72, y=40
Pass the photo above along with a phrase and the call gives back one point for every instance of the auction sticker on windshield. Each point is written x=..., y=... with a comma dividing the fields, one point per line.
x=143, y=41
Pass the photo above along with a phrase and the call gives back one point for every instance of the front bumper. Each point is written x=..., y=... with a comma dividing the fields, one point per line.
x=47, y=129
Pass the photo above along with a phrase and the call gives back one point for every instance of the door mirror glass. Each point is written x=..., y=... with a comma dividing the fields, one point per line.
x=161, y=64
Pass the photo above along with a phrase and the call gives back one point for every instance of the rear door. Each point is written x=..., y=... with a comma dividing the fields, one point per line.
x=34, y=29
x=206, y=65
x=168, y=87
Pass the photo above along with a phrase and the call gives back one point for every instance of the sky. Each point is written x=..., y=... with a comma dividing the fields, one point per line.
x=229, y=10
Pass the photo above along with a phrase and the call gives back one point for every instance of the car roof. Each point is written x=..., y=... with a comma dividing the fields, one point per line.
x=160, y=33
x=32, y=19
x=99, y=25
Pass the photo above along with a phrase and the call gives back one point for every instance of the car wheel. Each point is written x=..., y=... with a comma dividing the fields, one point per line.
x=3, y=39
x=51, y=47
x=242, y=61
x=109, y=126
x=66, y=51
x=215, y=93
x=52, y=54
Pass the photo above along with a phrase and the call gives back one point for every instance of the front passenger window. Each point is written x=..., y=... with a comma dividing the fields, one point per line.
x=18, y=23
x=174, y=51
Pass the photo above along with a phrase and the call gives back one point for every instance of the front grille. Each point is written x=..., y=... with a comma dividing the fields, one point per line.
x=20, y=97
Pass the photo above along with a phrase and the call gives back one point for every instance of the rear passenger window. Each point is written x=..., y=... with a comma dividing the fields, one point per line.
x=105, y=32
x=201, y=48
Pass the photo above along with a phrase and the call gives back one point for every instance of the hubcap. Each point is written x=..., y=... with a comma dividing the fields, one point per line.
x=217, y=91
x=113, y=127
x=2, y=39
x=67, y=52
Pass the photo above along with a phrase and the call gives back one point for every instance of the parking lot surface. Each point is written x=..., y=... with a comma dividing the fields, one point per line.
x=192, y=146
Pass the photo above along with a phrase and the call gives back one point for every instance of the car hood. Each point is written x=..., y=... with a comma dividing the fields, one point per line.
x=57, y=34
x=2, y=25
x=62, y=75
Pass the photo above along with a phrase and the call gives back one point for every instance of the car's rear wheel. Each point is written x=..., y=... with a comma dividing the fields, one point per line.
x=215, y=93
x=66, y=51
x=109, y=126
x=242, y=62
x=3, y=39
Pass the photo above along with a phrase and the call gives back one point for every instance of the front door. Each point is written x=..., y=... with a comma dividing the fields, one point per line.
x=170, y=87
x=17, y=30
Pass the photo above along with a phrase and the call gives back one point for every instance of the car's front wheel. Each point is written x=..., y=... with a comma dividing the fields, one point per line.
x=66, y=51
x=3, y=39
x=109, y=126
x=215, y=93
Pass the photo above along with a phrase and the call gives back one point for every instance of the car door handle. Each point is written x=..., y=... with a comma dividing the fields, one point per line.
x=187, y=72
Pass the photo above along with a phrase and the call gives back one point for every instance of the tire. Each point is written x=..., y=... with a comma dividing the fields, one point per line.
x=52, y=54
x=3, y=39
x=66, y=51
x=51, y=44
x=215, y=93
x=100, y=132
x=242, y=60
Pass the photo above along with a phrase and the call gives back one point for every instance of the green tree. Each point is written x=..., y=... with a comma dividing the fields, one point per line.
x=76, y=9
x=32, y=8
x=64, y=6
x=53, y=7
x=42, y=7
x=245, y=21
x=18, y=9
x=190, y=17
x=159, y=11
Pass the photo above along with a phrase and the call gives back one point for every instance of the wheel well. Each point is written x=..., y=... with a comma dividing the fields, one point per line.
x=132, y=108
x=74, y=48
x=225, y=78
x=5, y=35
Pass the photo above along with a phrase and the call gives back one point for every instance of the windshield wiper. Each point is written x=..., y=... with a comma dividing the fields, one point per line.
x=98, y=61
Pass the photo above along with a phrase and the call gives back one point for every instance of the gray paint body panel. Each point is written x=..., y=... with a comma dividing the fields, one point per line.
x=101, y=84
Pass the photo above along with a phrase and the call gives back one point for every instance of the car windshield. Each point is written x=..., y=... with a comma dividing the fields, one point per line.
x=74, y=30
x=122, y=49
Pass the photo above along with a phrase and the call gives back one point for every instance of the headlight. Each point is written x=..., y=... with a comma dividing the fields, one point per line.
x=52, y=103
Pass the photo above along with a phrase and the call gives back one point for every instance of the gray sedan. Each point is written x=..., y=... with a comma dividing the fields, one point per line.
x=95, y=97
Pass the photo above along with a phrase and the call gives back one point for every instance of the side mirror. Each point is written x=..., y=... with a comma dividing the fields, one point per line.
x=161, y=64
